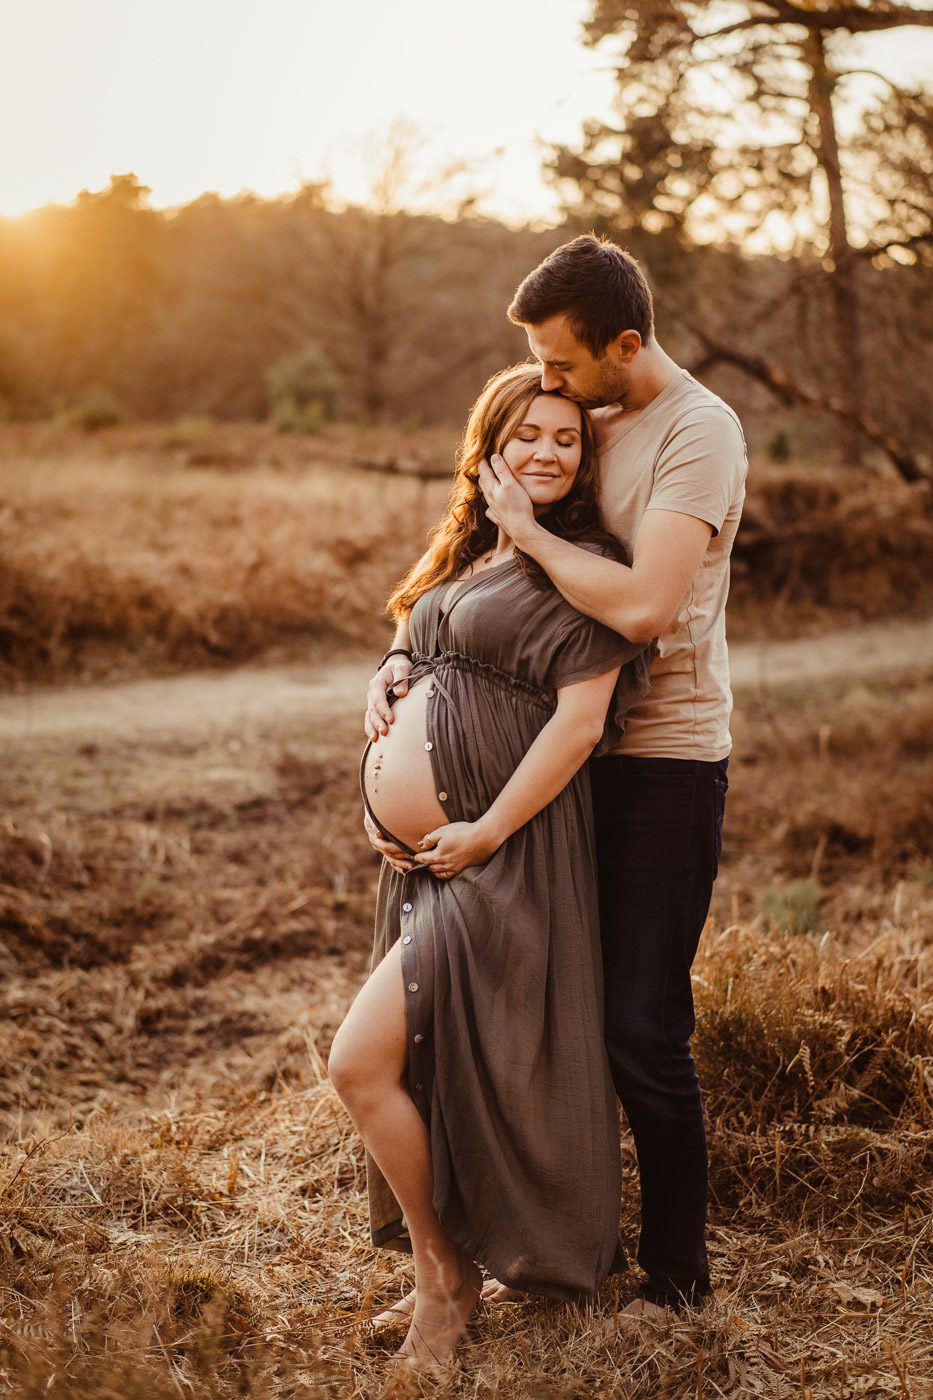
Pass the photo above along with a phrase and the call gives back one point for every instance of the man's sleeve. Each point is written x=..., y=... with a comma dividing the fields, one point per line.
x=701, y=466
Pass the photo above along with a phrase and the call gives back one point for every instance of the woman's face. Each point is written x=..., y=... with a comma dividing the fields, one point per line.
x=544, y=449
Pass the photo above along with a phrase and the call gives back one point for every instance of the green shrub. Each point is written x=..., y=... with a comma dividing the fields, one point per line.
x=303, y=392
x=289, y=417
x=187, y=431
x=780, y=447
x=99, y=408
x=793, y=908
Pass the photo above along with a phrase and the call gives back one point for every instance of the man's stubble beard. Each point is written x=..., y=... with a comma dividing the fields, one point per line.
x=611, y=394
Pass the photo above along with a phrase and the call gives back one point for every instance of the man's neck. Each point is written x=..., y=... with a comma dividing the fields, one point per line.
x=652, y=371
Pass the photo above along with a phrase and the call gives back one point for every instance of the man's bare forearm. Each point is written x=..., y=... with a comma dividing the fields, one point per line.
x=600, y=588
x=639, y=602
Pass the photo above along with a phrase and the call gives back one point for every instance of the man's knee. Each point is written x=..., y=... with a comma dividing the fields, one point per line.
x=647, y=1058
x=635, y=1050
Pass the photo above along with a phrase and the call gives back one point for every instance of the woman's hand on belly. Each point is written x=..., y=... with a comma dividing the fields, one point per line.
x=451, y=849
x=397, y=858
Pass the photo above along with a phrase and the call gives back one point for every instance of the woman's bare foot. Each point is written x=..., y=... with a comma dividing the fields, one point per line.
x=440, y=1318
x=492, y=1292
x=398, y=1313
x=641, y=1310
x=496, y=1292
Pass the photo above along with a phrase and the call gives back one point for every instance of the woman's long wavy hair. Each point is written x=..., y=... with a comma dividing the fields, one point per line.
x=466, y=531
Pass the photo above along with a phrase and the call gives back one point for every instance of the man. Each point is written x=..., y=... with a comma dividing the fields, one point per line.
x=672, y=482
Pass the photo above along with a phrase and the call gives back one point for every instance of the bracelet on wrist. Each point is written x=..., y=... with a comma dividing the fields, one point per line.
x=395, y=651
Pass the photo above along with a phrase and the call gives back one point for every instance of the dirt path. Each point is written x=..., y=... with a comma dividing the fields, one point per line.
x=206, y=702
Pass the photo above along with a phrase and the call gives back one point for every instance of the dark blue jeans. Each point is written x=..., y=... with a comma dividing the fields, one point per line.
x=659, y=838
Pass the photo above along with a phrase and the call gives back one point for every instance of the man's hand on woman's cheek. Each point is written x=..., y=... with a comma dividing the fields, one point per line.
x=507, y=502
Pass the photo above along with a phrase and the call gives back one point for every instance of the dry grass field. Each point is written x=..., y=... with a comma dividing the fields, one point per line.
x=185, y=918
x=145, y=548
x=125, y=552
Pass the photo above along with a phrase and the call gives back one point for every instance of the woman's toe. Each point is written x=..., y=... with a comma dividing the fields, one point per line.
x=495, y=1292
x=399, y=1313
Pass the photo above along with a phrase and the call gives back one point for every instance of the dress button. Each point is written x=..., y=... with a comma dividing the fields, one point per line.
x=413, y=986
x=418, y=1088
x=442, y=796
x=418, y=1038
x=407, y=938
x=429, y=746
x=430, y=693
x=406, y=908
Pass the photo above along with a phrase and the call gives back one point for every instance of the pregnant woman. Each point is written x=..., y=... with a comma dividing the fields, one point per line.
x=472, y=1060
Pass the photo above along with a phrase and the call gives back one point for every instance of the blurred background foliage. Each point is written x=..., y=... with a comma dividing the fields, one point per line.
x=787, y=230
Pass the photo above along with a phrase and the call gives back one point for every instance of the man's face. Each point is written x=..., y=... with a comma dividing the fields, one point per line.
x=570, y=367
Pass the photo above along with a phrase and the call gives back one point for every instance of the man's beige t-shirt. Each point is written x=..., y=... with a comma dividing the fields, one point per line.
x=685, y=452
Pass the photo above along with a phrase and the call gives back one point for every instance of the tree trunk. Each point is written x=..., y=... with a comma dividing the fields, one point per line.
x=842, y=285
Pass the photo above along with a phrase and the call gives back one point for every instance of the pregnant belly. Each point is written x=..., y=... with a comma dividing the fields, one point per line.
x=397, y=776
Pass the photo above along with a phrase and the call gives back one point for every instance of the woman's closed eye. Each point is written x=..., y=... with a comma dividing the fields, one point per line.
x=562, y=441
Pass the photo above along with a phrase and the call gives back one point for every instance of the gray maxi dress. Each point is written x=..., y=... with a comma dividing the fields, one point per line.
x=501, y=965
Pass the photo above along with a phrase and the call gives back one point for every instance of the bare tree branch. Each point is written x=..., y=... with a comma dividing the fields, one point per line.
x=852, y=18
x=869, y=73
x=874, y=250
x=907, y=462
x=780, y=146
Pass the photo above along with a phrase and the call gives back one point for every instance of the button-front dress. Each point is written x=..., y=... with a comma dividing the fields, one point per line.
x=501, y=965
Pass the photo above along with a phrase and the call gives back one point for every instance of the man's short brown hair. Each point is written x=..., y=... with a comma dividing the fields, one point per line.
x=596, y=284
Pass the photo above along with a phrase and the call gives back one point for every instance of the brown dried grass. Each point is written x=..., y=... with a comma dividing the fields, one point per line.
x=182, y=1206
x=831, y=542
x=832, y=787
x=122, y=556
x=125, y=552
x=216, y=1245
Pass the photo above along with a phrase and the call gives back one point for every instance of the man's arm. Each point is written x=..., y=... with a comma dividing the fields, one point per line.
x=639, y=602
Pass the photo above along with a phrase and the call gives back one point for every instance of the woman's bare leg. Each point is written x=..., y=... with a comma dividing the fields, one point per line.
x=367, y=1065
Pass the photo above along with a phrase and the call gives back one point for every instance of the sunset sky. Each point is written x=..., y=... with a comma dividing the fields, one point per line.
x=198, y=95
